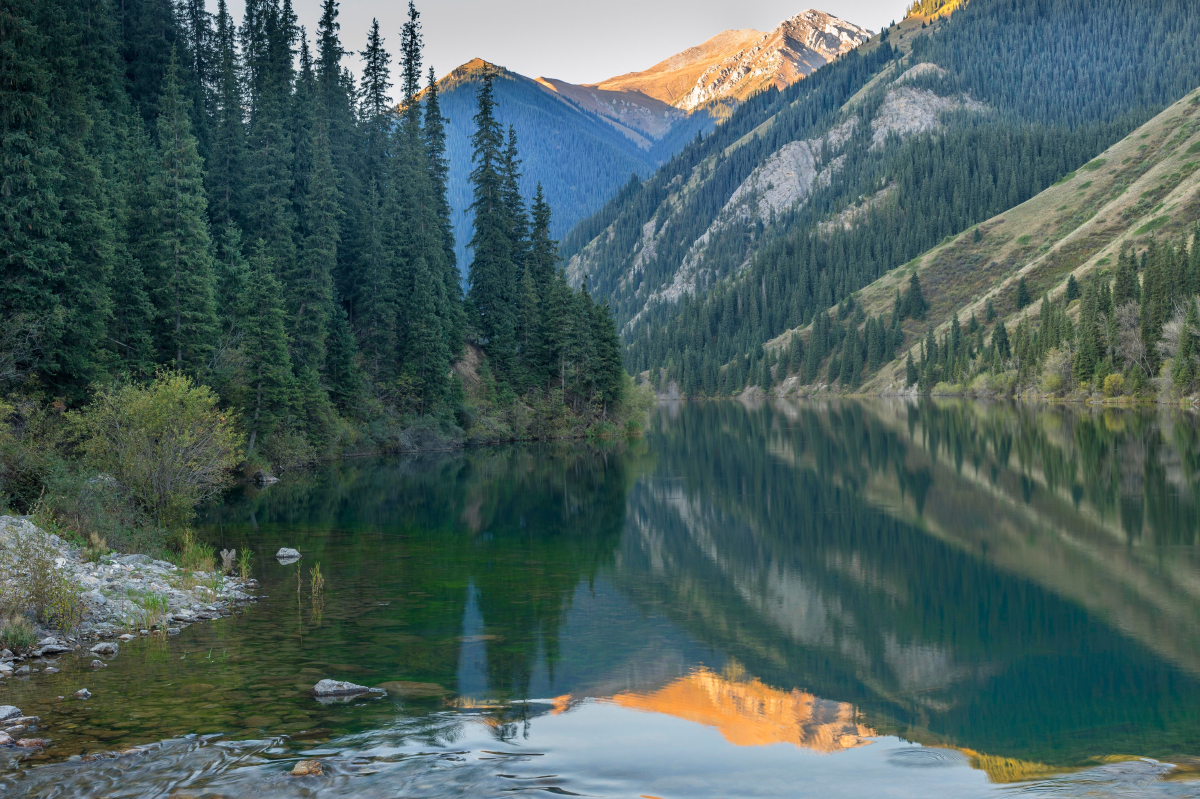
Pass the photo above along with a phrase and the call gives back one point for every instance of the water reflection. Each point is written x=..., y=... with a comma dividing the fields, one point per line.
x=954, y=596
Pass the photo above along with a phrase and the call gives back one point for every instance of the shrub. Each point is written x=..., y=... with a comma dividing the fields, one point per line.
x=36, y=583
x=167, y=444
x=1114, y=384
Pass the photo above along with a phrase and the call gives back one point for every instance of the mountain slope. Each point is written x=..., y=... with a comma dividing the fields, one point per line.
x=733, y=65
x=808, y=194
x=580, y=157
x=1142, y=192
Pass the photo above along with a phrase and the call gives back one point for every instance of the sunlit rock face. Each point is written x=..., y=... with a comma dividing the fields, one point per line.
x=733, y=65
x=751, y=713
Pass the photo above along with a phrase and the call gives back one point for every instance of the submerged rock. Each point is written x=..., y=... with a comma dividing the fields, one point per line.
x=287, y=554
x=5, y=739
x=307, y=768
x=98, y=664
x=33, y=743
x=339, y=688
x=50, y=670
x=106, y=648
x=83, y=693
x=8, y=712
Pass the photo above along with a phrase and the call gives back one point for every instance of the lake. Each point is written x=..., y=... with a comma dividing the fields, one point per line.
x=825, y=599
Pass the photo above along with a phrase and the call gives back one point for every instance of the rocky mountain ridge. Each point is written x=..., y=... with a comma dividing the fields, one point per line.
x=735, y=64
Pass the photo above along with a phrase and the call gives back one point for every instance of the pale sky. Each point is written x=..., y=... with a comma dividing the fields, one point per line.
x=581, y=41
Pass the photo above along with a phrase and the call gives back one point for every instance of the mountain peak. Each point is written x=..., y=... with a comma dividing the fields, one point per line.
x=794, y=50
x=737, y=63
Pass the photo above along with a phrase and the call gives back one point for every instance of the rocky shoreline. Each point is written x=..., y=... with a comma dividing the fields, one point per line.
x=124, y=597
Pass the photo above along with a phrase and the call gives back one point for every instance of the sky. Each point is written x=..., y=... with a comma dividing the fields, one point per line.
x=580, y=41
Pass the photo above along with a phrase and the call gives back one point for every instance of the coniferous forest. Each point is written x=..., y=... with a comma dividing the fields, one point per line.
x=226, y=200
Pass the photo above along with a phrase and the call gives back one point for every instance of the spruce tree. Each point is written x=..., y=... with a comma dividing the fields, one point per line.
x=226, y=161
x=310, y=283
x=269, y=399
x=491, y=275
x=1023, y=297
x=182, y=274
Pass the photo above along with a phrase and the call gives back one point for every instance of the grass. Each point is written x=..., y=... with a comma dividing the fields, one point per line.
x=154, y=609
x=17, y=634
x=245, y=558
x=1093, y=166
x=1154, y=224
x=1193, y=148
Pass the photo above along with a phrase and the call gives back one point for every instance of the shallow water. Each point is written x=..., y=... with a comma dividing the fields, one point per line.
x=796, y=600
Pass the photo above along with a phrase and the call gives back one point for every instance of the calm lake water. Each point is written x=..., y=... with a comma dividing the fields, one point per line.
x=825, y=600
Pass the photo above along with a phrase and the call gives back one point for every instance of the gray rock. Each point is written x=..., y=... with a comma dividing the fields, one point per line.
x=329, y=688
x=54, y=649
x=125, y=637
x=287, y=553
x=98, y=664
x=8, y=712
x=107, y=648
x=21, y=672
x=47, y=641
x=51, y=670
x=83, y=693
x=5, y=739
x=172, y=631
x=6, y=654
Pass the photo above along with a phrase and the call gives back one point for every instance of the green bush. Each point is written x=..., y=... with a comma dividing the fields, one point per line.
x=1114, y=384
x=167, y=444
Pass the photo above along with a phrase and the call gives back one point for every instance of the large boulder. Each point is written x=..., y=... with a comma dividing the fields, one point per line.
x=9, y=712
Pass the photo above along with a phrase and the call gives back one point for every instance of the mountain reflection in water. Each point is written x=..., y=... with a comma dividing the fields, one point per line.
x=826, y=599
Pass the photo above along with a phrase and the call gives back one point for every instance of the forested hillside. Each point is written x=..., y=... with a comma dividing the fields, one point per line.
x=809, y=194
x=183, y=192
x=1088, y=288
x=579, y=158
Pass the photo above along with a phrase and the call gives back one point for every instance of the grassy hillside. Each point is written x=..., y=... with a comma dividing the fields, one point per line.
x=1142, y=192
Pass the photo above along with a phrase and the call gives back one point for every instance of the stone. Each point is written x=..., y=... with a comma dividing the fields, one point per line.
x=22, y=672
x=51, y=670
x=47, y=641
x=33, y=743
x=172, y=631
x=341, y=688
x=6, y=669
x=109, y=648
x=83, y=693
x=5, y=739
x=54, y=649
x=15, y=729
x=6, y=654
x=98, y=664
x=307, y=768
x=287, y=553
x=125, y=637
x=8, y=712
x=26, y=720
